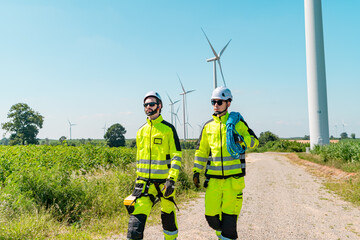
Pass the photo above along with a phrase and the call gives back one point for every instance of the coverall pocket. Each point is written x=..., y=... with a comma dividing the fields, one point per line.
x=238, y=184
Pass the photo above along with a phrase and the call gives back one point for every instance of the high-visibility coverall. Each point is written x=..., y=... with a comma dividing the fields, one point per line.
x=224, y=193
x=158, y=158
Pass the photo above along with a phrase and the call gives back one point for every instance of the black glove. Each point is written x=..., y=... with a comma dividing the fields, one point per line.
x=196, y=179
x=169, y=187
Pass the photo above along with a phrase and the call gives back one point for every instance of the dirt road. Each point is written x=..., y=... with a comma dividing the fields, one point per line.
x=281, y=201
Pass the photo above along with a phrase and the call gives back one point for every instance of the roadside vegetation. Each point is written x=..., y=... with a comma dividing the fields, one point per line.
x=66, y=192
x=344, y=155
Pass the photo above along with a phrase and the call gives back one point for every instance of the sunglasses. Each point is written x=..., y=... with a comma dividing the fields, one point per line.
x=219, y=102
x=151, y=104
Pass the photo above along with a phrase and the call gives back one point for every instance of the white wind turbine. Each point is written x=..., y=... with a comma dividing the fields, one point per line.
x=71, y=124
x=176, y=116
x=172, y=107
x=184, y=103
x=216, y=59
x=104, y=129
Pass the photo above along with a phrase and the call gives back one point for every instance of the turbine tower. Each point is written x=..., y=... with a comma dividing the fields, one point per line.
x=71, y=124
x=104, y=129
x=184, y=103
x=216, y=59
x=316, y=77
x=172, y=107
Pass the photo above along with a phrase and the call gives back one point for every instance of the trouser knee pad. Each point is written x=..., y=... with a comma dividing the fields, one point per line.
x=168, y=221
x=136, y=226
x=229, y=226
x=214, y=222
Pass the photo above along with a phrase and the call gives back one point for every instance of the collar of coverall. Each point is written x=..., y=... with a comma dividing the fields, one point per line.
x=155, y=121
x=223, y=118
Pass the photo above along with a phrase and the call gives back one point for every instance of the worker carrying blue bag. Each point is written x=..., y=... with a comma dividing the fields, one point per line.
x=221, y=151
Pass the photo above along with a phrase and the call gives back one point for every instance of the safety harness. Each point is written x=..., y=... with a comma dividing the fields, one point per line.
x=142, y=189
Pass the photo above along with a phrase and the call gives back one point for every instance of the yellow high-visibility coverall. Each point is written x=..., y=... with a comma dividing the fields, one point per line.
x=224, y=193
x=158, y=158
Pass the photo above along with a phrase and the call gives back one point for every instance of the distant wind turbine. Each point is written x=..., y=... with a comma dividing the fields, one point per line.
x=172, y=107
x=176, y=116
x=71, y=124
x=104, y=129
x=216, y=59
x=184, y=103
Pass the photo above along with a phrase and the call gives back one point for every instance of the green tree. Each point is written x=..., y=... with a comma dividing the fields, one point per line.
x=344, y=135
x=353, y=135
x=114, y=136
x=62, y=139
x=267, y=137
x=24, y=124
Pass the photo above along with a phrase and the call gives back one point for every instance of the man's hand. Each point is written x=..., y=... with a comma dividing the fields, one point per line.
x=196, y=179
x=169, y=187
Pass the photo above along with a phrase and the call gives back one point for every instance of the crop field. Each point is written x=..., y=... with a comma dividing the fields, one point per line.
x=62, y=192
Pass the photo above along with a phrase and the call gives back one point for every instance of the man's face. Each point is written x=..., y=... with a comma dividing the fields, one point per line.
x=219, y=105
x=150, y=105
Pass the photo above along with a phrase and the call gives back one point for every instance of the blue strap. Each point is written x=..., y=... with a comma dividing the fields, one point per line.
x=234, y=148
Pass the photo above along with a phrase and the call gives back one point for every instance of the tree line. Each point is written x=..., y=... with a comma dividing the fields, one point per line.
x=24, y=125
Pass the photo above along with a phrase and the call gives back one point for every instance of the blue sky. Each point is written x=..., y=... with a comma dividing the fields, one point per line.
x=91, y=62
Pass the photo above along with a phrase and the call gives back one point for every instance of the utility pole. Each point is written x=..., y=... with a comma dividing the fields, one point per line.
x=316, y=77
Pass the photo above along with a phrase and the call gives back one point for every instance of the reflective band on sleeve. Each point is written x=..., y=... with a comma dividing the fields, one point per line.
x=176, y=158
x=219, y=168
x=198, y=166
x=154, y=171
x=201, y=159
x=155, y=162
x=174, y=166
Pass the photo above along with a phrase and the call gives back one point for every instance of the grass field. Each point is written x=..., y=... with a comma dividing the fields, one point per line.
x=65, y=192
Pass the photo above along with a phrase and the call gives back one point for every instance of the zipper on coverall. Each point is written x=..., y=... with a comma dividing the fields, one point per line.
x=150, y=149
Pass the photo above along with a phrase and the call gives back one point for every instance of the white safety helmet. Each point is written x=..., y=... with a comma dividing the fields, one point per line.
x=222, y=93
x=153, y=94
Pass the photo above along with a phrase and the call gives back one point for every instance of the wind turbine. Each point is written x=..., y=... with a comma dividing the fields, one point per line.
x=315, y=74
x=71, y=124
x=184, y=103
x=172, y=107
x=343, y=124
x=216, y=58
x=176, y=116
x=104, y=129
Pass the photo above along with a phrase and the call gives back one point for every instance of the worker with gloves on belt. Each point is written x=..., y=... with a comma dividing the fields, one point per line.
x=158, y=164
x=221, y=151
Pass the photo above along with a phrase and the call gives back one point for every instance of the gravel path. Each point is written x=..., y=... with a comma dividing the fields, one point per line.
x=281, y=201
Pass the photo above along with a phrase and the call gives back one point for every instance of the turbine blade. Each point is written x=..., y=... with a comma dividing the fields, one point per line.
x=176, y=101
x=189, y=91
x=169, y=98
x=221, y=72
x=181, y=83
x=224, y=48
x=210, y=44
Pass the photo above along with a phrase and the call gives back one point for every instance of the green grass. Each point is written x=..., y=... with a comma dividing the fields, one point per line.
x=345, y=156
x=64, y=192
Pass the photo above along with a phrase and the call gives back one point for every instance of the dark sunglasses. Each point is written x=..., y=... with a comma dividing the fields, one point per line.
x=151, y=104
x=219, y=102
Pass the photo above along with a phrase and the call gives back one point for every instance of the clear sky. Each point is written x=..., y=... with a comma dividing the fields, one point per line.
x=91, y=62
